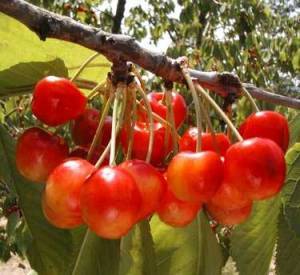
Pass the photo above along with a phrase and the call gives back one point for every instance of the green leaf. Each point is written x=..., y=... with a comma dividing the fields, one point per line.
x=54, y=251
x=137, y=251
x=19, y=45
x=253, y=242
x=21, y=78
x=288, y=250
x=190, y=250
x=294, y=126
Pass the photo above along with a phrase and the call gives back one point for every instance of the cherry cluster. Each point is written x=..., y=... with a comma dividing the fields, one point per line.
x=223, y=178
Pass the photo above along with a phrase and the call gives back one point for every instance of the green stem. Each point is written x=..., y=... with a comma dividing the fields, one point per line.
x=250, y=98
x=100, y=126
x=150, y=117
x=219, y=111
x=197, y=106
x=90, y=59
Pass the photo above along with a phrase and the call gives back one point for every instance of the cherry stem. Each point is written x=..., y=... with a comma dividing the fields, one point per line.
x=132, y=124
x=250, y=98
x=171, y=118
x=121, y=91
x=219, y=111
x=100, y=87
x=84, y=64
x=150, y=118
x=138, y=75
x=197, y=106
x=100, y=126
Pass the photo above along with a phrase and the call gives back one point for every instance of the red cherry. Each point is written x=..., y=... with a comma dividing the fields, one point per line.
x=57, y=100
x=189, y=139
x=82, y=152
x=38, y=153
x=159, y=107
x=256, y=167
x=85, y=126
x=267, y=124
x=141, y=139
x=175, y=212
x=228, y=197
x=229, y=217
x=150, y=183
x=61, y=197
x=195, y=177
x=110, y=202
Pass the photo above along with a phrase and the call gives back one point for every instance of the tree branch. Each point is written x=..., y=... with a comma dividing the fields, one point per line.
x=118, y=48
x=116, y=28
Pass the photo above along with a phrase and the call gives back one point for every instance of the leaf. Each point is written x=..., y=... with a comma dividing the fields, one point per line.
x=21, y=78
x=294, y=126
x=190, y=250
x=20, y=45
x=291, y=193
x=288, y=250
x=137, y=251
x=54, y=251
x=253, y=242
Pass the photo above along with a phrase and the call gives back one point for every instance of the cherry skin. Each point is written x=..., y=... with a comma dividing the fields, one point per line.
x=85, y=126
x=150, y=183
x=189, y=140
x=57, y=100
x=195, y=177
x=267, y=124
x=256, y=167
x=61, y=197
x=160, y=108
x=38, y=153
x=82, y=152
x=229, y=198
x=229, y=217
x=141, y=140
x=175, y=212
x=110, y=202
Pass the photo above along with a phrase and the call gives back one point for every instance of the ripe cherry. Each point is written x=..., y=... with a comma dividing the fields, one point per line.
x=195, y=177
x=175, y=212
x=141, y=140
x=256, y=167
x=159, y=106
x=267, y=124
x=38, y=153
x=150, y=183
x=229, y=217
x=82, y=152
x=85, y=127
x=57, y=100
x=189, y=139
x=228, y=197
x=110, y=202
x=61, y=197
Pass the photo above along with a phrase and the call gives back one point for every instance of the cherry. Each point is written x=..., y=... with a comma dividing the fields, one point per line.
x=267, y=124
x=175, y=212
x=57, y=100
x=228, y=197
x=82, y=152
x=195, y=177
x=110, y=202
x=141, y=140
x=150, y=183
x=229, y=217
x=85, y=126
x=159, y=107
x=256, y=167
x=189, y=139
x=38, y=153
x=61, y=197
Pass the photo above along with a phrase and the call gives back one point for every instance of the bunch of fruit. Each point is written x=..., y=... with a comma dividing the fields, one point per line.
x=223, y=178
